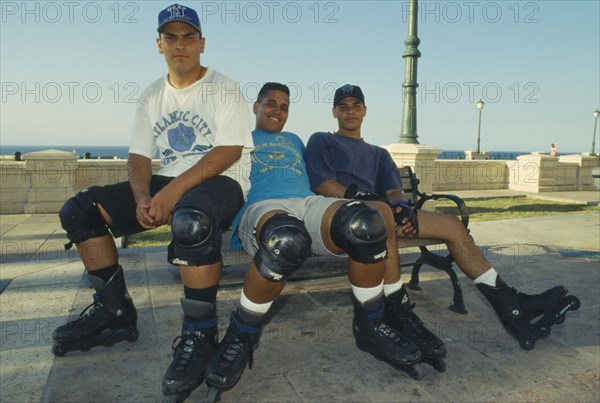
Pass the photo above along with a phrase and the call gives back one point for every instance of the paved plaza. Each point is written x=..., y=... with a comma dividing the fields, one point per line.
x=307, y=352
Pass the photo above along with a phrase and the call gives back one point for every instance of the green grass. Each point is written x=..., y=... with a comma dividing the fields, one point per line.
x=515, y=207
x=479, y=210
x=155, y=237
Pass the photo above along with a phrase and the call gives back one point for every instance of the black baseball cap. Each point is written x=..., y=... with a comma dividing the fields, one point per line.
x=348, y=90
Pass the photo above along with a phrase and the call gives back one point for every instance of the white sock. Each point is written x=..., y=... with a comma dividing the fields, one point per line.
x=389, y=289
x=252, y=306
x=365, y=294
x=488, y=278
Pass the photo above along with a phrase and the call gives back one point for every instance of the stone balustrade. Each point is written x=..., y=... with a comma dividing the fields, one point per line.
x=45, y=179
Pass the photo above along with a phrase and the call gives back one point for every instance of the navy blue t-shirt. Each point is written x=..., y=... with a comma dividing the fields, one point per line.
x=350, y=161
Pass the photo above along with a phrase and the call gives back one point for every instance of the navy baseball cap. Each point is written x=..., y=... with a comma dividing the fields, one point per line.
x=177, y=12
x=348, y=90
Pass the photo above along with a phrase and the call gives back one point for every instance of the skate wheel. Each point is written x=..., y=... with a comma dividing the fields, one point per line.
x=576, y=304
x=58, y=351
x=416, y=372
x=439, y=365
x=134, y=336
x=560, y=319
x=545, y=332
x=176, y=398
x=213, y=395
x=526, y=344
x=172, y=399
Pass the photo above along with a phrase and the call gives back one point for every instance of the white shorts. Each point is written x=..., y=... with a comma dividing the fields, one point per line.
x=309, y=209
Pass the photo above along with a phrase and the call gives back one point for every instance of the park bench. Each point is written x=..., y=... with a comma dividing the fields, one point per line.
x=235, y=262
x=441, y=258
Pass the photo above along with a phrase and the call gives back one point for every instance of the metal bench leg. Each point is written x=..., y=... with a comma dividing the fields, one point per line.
x=459, y=305
x=445, y=264
x=413, y=284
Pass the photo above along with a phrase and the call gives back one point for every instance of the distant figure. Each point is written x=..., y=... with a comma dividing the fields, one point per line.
x=553, y=150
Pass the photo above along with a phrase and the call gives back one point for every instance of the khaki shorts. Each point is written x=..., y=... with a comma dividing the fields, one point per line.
x=309, y=209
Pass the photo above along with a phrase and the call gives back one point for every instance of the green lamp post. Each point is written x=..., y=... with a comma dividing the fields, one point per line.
x=596, y=113
x=408, y=135
x=480, y=106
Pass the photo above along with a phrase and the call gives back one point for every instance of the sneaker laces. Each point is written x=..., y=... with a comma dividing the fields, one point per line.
x=376, y=319
x=389, y=332
x=235, y=342
x=185, y=346
x=411, y=322
x=84, y=315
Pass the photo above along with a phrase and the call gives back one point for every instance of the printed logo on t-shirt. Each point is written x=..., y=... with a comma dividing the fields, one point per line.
x=183, y=135
x=277, y=154
x=193, y=121
x=181, y=138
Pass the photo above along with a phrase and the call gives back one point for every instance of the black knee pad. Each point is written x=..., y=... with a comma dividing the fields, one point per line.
x=81, y=218
x=196, y=238
x=360, y=231
x=284, y=245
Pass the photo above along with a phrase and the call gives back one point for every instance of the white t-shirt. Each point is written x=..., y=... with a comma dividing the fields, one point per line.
x=182, y=125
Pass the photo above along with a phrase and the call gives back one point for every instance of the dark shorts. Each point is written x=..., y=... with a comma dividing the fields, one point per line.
x=220, y=196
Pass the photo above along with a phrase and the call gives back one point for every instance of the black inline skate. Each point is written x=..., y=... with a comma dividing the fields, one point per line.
x=374, y=335
x=111, y=319
x=517, y=311
x=233, y=353
x=192, y=350
x=399, y=314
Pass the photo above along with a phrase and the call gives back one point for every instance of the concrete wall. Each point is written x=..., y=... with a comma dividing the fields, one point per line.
x=536, y=173
x=45, y=179
x=470, y=175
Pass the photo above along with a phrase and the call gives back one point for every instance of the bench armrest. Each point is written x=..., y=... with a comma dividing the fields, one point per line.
x=462, y=207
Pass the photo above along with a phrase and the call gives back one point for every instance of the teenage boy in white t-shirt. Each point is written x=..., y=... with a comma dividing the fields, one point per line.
x=198, y=122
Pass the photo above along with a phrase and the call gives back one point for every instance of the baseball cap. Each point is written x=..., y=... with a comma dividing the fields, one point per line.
x=348, y=90
x=177, y=12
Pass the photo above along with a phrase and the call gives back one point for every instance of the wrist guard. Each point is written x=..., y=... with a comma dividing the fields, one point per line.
x=352, y=192
x=406, y=212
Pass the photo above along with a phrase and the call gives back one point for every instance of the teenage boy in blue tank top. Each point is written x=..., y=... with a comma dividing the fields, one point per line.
x=280, y=225
x=342, y=164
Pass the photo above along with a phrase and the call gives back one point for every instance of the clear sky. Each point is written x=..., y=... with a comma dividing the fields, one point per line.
x=71, y=71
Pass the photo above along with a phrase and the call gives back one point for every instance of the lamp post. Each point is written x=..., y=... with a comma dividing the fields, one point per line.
x=480, y=106
x=596, y=113
x=408, y=133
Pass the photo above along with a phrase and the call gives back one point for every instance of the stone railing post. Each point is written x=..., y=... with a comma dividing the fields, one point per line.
x=14, y=184
x=52, y=180
x=421, y=159
x=474, y=155
x=585, y=162
x=533, y=173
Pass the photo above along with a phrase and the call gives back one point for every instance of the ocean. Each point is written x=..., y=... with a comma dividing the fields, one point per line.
x=94, y=151
x=121, y=152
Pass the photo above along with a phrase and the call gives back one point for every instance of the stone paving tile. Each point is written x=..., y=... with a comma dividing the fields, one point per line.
x=307, y=352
